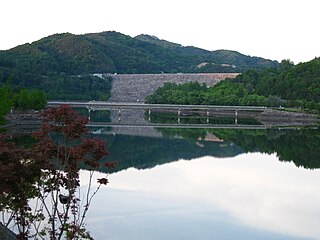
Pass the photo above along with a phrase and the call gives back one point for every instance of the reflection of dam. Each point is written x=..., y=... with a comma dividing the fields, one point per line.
x=147, y=152
x=128, y=130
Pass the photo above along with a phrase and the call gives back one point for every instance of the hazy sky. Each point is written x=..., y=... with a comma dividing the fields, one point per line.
x=274, y=29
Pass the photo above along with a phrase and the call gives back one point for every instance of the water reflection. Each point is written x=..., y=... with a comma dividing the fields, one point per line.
x=250, y=196
x=239, y=184
x=300, y=146
x=209, y=184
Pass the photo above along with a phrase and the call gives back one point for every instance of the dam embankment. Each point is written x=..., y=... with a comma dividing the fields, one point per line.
x=135, y=87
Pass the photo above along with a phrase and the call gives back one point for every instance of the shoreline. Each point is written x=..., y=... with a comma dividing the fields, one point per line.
x=27, y=120
x=269, y=117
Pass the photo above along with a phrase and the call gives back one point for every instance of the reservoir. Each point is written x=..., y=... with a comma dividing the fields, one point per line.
x=209, y=184
x=200, y=176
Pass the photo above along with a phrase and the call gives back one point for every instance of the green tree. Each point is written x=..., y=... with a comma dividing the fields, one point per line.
x=5, y=99
x=37, y=99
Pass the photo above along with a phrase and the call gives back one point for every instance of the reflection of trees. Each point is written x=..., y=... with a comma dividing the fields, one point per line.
x=189, y=117
x=40, y=187
x=300, y=146
x=95, y=115
x=147, y=152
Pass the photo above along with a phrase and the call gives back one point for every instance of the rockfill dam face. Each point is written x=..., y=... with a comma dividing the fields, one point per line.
x=135, y=87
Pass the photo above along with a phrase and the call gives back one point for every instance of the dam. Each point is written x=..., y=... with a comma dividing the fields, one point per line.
x=135, y=87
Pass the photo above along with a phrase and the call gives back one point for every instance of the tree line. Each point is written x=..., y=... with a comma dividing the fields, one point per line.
x=223, y=93
x=21, y=99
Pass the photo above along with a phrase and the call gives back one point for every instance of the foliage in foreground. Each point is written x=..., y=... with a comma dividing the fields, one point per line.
x=40, y=194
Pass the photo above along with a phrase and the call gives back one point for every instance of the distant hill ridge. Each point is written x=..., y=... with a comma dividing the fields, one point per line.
x=116, y=52
x=63, y=64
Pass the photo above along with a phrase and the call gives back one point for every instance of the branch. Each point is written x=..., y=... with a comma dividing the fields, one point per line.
x=89, y=199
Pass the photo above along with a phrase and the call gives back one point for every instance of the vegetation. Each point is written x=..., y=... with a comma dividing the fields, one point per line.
x=127, y=150
x=40, y=194
x=299, y=85
x=21, y=99
x=197, y=118
x=60, y=86
x=64, y=87
x=298, y=146
x=5, y=99
x=289, y=85
x=29, y=99
x=223, y=93
x=57, y=66
x=63, y=65
x=201, y=60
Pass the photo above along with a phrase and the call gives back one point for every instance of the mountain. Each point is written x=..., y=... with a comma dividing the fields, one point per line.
x=65, y=58
x=116, y=52
x=219, y=58
x=157, y=41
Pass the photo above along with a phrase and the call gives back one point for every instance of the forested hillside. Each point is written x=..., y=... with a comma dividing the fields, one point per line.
x=289, y=85
x=298, y=84
x=62, y=64
x=211, y=61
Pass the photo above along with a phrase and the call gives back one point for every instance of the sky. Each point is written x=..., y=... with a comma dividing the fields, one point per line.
x=272, y=29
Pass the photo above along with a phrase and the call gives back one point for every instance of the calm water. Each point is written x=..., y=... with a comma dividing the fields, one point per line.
x=209, y=184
